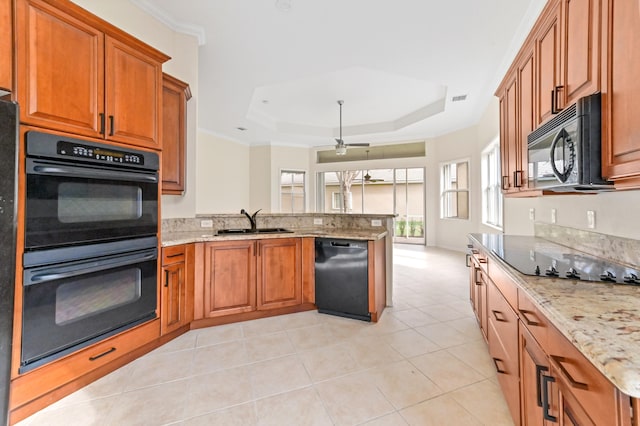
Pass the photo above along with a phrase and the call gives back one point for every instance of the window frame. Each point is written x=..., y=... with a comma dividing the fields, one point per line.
x=444, y=191
x=292, y=193
x=492, y=199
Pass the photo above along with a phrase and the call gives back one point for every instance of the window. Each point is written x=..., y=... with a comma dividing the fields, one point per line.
x=337, y=201
x=454, y=190
x=491, y=195
x=292, y=191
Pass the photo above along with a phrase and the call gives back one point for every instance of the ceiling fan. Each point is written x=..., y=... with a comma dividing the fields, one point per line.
x=341, y=147
x=367, y=177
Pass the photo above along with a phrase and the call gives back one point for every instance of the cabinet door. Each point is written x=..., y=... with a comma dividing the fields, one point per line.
x=535, y=377
x=580, y=49
x=229, y=278
x=6, y=46
x=173, y=297
x=133, y=93
x=621, y=90
x=526, y=120
x=175, y=94
x=502, y=327
x=279, y=273
x=60, y=62
x=547, y=47
x=509, y=137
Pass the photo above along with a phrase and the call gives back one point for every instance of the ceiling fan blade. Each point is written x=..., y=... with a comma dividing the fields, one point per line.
x=357, y=144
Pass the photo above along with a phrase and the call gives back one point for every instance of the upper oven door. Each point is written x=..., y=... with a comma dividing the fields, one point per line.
x=74, y=203
x=553, y=158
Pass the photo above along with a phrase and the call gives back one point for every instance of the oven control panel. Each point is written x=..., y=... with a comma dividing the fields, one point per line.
x=107, y=155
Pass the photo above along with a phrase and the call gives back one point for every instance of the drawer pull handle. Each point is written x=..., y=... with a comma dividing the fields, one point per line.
x=545, y=398
x=468, y=261
x=557, y=362
x=539, y=370
x=499, y=316
x=107, y=352
x=498, y=370
x=505, y=183
x=526, y=319
x=174, y=255
x=482, y=260
x=166, y=278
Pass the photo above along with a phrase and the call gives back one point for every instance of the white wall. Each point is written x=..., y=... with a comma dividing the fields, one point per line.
x=223, y=175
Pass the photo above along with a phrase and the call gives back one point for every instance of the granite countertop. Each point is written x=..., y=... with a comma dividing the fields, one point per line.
x=602, y=320
x=176, y=238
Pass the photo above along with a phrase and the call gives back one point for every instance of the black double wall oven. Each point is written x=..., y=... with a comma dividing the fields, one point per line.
x=90, y=258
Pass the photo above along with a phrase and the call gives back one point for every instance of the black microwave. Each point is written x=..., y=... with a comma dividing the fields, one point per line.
x=565, y=152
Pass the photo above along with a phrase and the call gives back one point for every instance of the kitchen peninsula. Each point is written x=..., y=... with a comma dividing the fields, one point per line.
x=238, y=275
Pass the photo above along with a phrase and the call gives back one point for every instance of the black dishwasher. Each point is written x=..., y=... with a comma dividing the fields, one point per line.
x=342, y=284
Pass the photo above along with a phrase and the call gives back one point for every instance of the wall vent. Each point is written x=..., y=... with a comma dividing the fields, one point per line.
x=458, y=98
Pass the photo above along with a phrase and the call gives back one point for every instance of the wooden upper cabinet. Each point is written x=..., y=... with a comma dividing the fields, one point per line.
x=621, y=92
x=509, y=141
x=547, y=45
x=79, y=74
x=60, y=70
x=133, y=94
x=6, y=46
x=175, y=94
x=279, y=273
x=580, y=49
x=526, y=118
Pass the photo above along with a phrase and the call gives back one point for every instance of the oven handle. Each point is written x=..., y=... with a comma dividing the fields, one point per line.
x=49, y=273
x=56, y=169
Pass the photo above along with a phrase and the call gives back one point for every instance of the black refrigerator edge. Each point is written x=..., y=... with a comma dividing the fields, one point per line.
x=8, y=196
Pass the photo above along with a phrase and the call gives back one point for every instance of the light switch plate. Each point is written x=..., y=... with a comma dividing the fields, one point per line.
x=532, y=214
x=317, y=221
x=591, y=219
x=553, y=216
x=376, y=222
x=206, y=223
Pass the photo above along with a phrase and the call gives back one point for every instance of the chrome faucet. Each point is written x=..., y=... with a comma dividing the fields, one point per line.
x=252, y=218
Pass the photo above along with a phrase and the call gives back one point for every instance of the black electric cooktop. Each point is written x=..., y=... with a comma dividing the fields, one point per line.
x=538, y=257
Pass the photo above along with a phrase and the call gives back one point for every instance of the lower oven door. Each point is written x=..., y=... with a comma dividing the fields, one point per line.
x=71, y=305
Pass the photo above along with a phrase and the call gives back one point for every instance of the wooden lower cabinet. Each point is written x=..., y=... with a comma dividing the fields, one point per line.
x=176, y=291
x=545, y=379
x=279, y=273
x=502, y=333
x=36, y=389
x=247, y=275
x=6, y=42
x=229, y=278
x=535, y=381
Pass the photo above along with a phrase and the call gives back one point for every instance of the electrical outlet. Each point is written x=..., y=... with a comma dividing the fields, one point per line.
x=591, y=219
x=206, y=223
x=553, y=216
x=317, y=221
x=376, y=222
x=532, y=214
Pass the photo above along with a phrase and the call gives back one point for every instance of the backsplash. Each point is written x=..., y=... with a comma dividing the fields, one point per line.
x=617, y=249
x=275, y=220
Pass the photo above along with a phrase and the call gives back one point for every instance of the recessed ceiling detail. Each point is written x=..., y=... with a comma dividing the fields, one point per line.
x=375, y=102
x=396, y=68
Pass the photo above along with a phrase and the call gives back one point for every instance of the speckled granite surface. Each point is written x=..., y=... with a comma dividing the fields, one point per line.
x=175, y=238
x=601, y=320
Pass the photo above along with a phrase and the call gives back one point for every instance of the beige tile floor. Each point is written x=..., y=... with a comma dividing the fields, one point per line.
x=423, y=363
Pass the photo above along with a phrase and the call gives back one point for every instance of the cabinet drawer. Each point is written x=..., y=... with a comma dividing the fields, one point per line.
x=580, y=378
x=505, y=284
x=532, y=318
x=40, y=381
x=173, y=254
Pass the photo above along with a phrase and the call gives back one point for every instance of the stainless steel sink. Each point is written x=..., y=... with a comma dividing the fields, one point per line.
x=253, y=231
